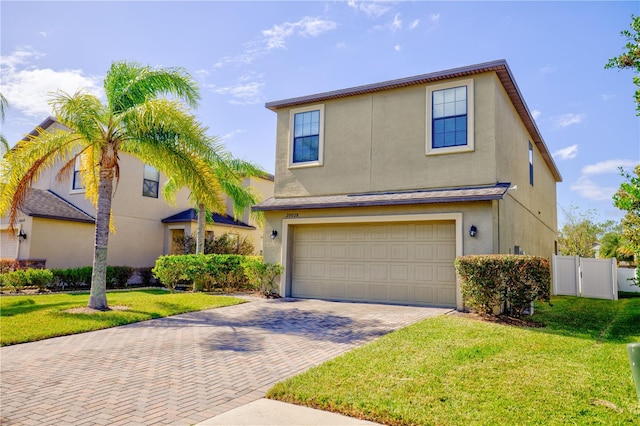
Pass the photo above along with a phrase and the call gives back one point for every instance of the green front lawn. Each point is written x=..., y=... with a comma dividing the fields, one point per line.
x=37, y=317
x=454, y=369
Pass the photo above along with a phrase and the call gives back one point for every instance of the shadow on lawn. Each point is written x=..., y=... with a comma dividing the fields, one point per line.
x=26, y=306
x=245, y=332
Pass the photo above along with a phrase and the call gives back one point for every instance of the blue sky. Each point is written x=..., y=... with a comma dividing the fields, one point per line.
x=244, y=54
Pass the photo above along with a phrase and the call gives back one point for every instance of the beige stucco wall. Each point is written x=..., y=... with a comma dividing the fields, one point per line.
x=528, y=214
x=377, y=142
x=478, y=214
x=63, y=244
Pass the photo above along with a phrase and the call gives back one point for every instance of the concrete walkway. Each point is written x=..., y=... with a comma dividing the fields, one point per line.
x=184, y=369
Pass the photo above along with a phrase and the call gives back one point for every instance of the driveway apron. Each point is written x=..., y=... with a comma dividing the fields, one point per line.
x=186, y=368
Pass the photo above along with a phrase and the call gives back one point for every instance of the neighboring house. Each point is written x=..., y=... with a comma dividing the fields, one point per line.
x=58, y=220
x=379, y=187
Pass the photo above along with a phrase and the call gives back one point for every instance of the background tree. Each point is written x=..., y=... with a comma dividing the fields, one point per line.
x=628, y=198
x=614, y=245
x=580, y=234
x=146, y=115
x=631, y=57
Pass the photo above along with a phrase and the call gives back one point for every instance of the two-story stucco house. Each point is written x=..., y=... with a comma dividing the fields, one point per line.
x=379, y=187
x=59, y=222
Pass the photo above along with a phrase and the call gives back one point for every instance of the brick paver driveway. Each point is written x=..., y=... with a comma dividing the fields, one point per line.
x=186, y=368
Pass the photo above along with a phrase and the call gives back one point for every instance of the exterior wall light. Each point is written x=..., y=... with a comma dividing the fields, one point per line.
x=473, y=231
x=274, y=234
x=22, y=236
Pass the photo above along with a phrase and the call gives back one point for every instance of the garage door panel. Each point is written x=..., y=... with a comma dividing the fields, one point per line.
x=378, y=292
x=408, y=263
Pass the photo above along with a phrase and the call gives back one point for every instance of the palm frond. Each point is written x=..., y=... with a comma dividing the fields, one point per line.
x=129, y=84
x=82, y=112
x=25, y=162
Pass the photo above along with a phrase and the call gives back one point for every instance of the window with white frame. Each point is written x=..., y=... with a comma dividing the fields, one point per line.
x=76, y=184
x=150, y=181
x=531, y=163
x=450, y=117
x=306, y=129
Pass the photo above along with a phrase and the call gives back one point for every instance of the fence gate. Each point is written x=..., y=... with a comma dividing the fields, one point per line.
x=585, y=277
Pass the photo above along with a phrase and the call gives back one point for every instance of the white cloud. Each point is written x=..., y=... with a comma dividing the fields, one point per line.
x=608, y=167
x=568, y=153
x=276, y=38
x=370, y=8
x=547, y=69
x=607, y=97
x=231, y=134
x=246, y=91
x=397, y=48
x=568, y=119
x=536, y=113
x=29, y=88
x=414, y=24
x=43, y=33
x=434, y=17
x=586, y=188
x=591, y=190
x=397, y=23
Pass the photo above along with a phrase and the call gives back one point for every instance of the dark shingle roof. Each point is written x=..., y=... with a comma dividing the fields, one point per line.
x=191, y=215
x=500, y=67
x=48, y=204
x=430, y=196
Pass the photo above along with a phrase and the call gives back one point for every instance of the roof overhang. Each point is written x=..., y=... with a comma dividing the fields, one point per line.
x=416, y=197
x=500, y=67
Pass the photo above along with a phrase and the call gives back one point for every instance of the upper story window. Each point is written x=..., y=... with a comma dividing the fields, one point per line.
x=306, y=129
x=450, y=117
x=150, y=181
x=530, y=163
x=76, y=185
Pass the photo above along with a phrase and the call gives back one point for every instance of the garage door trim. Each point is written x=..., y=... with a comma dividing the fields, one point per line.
x=287, y=243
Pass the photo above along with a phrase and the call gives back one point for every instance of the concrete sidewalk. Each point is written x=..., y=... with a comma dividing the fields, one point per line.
x=266, y=412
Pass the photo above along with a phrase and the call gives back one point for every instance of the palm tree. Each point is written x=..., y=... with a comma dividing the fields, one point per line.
x=144, y=115
x=613, y=244
x=225, y=175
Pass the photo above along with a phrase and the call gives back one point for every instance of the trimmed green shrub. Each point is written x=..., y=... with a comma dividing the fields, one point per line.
x=201, y=272
x=118, y=276
x=262, y=275
x=511, y=282
x=41, y=278
x=72, y=278
x=14, y=280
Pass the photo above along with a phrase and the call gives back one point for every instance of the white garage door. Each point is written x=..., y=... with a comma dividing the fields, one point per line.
x=406, y=263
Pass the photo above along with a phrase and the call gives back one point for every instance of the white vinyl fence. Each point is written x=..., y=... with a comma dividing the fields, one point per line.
x=580, y=276
x=624, y=280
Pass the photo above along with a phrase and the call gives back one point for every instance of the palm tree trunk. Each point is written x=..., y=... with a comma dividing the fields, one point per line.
x=202, y=220
x=98, y=295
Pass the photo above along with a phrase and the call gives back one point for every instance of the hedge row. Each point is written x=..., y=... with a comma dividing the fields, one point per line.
x=508, y=282
x=209, y=271
x=66, y=279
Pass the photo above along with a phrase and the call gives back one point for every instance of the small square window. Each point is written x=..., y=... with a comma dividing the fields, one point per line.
x=150, y=182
